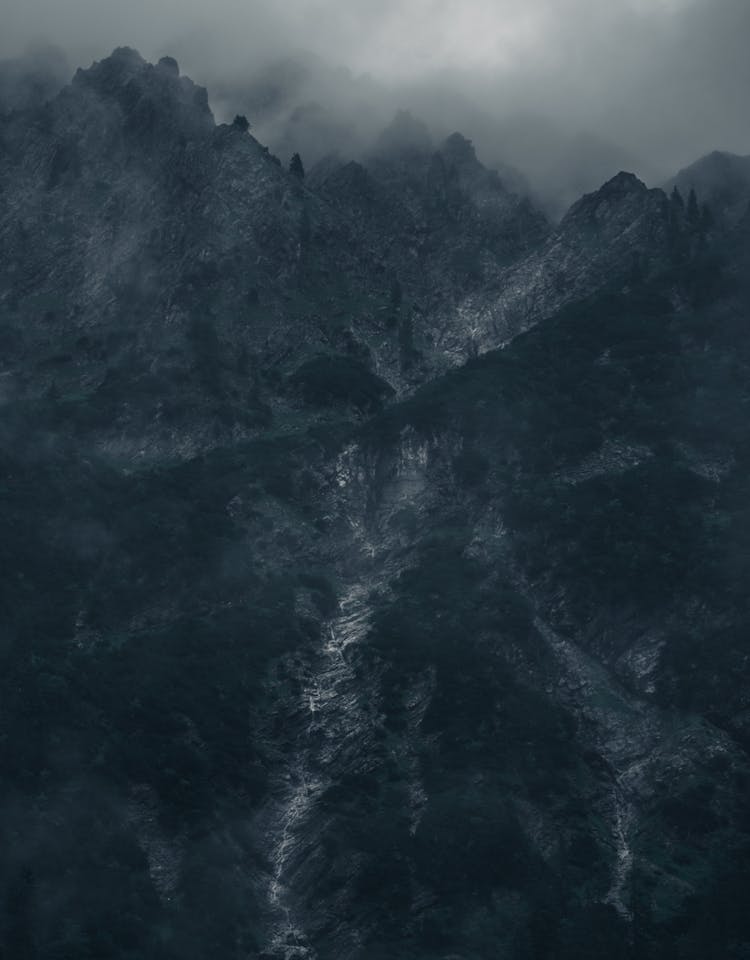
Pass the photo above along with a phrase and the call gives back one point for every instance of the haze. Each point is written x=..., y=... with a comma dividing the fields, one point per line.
x=566, y=90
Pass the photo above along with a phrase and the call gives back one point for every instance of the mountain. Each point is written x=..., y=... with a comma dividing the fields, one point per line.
x=123, y=199
x=375, y=551
x=303, y=104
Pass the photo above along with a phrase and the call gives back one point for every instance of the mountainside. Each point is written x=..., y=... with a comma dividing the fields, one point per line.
x=375, y=552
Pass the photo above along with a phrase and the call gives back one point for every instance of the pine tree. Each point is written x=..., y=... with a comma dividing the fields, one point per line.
x=693, y=213
x=295, y=167
x=305, y=228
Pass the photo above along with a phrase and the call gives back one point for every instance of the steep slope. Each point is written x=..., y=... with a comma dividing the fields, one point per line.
x=438, y=223
x=576, y=553
x=149, y=245
x=614, y=238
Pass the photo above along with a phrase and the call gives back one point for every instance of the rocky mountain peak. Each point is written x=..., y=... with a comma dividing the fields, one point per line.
x=459, y=151
x=624, y=197
x=623, y=184
x=113, y=72
x=622, y=187
x=169, y=65
x=149, y=95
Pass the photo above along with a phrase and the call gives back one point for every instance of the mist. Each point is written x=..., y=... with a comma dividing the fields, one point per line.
x=567, y=91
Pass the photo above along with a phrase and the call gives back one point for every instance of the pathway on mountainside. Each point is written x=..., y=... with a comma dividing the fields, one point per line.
x=336, y=715
x=332, y=726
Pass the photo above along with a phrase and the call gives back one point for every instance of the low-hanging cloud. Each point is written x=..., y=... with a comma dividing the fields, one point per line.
x=653, y=82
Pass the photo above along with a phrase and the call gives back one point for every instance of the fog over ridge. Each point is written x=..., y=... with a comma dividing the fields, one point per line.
x=567, y=90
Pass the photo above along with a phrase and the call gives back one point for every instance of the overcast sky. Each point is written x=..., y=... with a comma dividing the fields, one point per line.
x=666, y=79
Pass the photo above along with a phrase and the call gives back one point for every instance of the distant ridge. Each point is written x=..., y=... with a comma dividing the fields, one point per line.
x=721, y=180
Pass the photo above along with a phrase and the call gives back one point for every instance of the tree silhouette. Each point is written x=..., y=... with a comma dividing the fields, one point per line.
x=693, y=213
x=676, y=198
x=295, y=167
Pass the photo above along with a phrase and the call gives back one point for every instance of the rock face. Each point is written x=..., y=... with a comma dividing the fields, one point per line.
x=607, y=239
x=375, y=553
x=122, y=199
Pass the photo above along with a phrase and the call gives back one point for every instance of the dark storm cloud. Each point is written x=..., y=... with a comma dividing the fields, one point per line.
x=550, y=85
